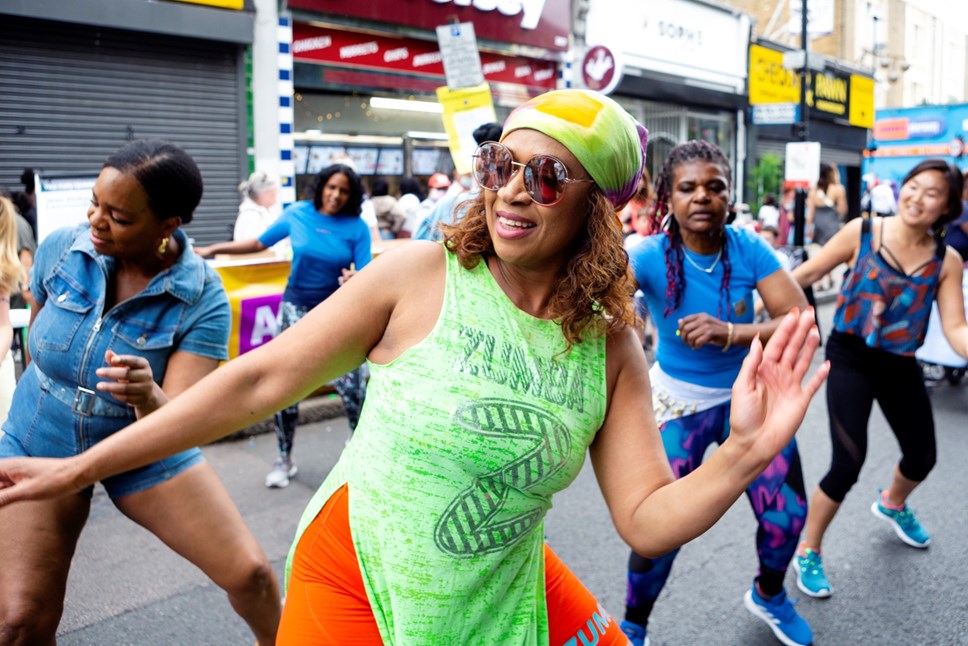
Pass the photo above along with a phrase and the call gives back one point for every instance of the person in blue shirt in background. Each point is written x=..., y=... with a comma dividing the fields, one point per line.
x=452, y=206
x=956, y=233
x=330, y=243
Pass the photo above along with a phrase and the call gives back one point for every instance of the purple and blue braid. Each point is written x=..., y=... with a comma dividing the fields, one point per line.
x=675, y=275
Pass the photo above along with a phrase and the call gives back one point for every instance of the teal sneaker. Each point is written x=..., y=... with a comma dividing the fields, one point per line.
x=636, y=633
x=905, y=525
x=810, y=575
x=779, y=614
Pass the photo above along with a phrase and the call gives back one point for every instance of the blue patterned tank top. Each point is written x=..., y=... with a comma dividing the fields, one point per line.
x=888, y=309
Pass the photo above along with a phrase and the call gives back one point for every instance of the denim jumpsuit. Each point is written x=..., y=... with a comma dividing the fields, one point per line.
x=56, y=409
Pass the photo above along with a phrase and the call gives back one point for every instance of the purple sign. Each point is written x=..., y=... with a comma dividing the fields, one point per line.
x=257, y=323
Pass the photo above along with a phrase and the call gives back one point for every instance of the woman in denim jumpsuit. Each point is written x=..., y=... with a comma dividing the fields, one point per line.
x=128, y=318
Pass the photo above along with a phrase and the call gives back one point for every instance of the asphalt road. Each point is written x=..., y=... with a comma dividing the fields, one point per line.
x=127, y=588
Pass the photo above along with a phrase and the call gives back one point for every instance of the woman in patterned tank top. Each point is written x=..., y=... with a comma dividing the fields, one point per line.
x=898, y=267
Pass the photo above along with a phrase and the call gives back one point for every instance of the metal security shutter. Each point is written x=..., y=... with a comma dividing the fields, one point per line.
x=72, y=94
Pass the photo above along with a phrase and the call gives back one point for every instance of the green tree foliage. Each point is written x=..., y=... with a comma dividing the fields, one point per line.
x=767, y=177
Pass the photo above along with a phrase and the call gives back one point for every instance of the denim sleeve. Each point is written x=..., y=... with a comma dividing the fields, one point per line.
x=208, y=326
x=48, y=253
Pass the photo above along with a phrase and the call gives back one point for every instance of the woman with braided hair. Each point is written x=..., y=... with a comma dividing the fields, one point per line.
x=703, y=308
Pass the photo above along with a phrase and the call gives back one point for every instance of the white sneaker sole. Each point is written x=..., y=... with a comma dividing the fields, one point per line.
x=897, y=528
x=757, y=611
x=281, y=484
x=820, y=594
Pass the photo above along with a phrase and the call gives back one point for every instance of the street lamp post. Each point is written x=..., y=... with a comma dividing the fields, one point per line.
x=802, y=132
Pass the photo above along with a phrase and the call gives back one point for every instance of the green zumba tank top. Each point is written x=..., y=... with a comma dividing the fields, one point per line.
x=462, y=442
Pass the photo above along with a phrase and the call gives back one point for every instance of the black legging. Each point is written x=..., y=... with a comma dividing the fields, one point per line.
x=858, y=376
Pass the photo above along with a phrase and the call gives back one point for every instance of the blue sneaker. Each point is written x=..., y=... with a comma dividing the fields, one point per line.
x=905, y=525
x=635, y=633
x=779, y=614
x=810, y=575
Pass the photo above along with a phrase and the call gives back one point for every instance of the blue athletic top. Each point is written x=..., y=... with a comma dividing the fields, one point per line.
x=322, y=246
x=751, y=260
x=886, y=308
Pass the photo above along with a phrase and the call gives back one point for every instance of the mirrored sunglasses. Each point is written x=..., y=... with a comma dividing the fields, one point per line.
x=545, y=176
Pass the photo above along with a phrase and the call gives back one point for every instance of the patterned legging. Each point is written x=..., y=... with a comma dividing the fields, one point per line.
x=351, y=388
x=777, y=496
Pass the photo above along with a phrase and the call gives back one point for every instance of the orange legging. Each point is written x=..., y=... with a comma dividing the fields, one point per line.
x=326, y=602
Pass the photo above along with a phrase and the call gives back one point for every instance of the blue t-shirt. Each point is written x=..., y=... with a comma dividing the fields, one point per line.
x=322, y=246
x=750, y=259
x=954, y=236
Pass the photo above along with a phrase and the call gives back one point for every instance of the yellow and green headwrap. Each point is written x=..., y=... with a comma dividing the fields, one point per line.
x=605, y=139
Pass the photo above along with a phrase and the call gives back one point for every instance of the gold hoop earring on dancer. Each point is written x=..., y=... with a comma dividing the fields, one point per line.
x=163, y=247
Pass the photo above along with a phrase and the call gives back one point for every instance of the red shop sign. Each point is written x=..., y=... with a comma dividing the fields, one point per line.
x=386, y=53
x=539, y=23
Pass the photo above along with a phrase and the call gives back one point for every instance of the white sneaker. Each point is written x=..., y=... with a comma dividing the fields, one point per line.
x=282, y=470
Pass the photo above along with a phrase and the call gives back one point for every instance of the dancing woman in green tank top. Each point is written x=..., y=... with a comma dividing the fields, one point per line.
x=497, y=360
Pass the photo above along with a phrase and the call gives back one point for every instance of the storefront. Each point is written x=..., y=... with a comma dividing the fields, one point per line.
x=79, y=80
x=365, y=76
x=840, y=104
x=683, y=66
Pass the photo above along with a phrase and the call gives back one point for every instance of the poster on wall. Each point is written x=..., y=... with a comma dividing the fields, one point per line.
x=391, y=161
x=426, y=161
x=300, y=159
x=364, y=159
x=322, y=156
x=62, y=201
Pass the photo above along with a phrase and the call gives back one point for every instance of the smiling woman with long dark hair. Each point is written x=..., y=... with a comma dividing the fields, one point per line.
x=330, y=243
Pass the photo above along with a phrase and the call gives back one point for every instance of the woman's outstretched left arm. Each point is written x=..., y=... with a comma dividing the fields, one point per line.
x=655, y=513
x=332, y=339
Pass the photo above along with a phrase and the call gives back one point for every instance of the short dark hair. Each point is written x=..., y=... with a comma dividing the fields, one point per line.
x=27, y=179
x=952, y=175
x=411, y=185
x=488, y=132
x=380, y=187
x=354, y=205
x=167, y=173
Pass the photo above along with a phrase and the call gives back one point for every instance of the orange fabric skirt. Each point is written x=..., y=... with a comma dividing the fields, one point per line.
x=326, y=601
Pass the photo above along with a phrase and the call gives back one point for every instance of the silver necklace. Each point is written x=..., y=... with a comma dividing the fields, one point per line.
x=705, y=270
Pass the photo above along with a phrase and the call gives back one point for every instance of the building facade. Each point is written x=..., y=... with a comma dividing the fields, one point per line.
x=683, y=70
x=80, y=79
x=917, y=50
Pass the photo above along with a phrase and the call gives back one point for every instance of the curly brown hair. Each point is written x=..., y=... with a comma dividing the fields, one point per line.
x=594, y=295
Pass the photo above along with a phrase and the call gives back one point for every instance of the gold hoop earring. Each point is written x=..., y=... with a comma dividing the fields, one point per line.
x=163, y=247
